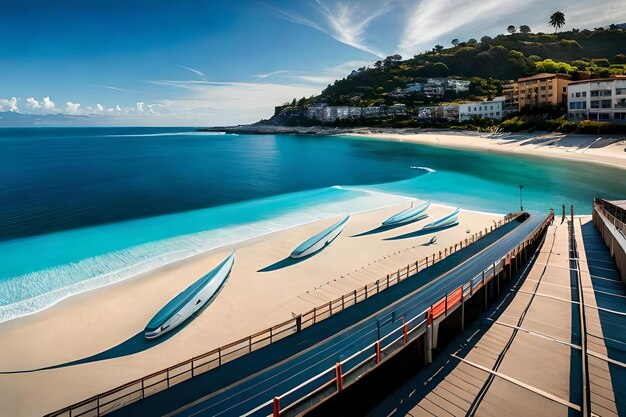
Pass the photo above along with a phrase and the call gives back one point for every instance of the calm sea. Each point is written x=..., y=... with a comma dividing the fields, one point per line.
x=83, y=207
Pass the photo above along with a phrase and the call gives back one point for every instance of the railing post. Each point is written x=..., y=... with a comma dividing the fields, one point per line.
x=276, y=407
x=366, y=291
x=377, y=287
x=315, y=314
x=250, y=340
x=339, y=376
x=378, y=351
x=406, y=333
x=446, y=306
x=387, y=280
x=270, y=335
x=343, y=302
x=298, y=323
x=219, y=356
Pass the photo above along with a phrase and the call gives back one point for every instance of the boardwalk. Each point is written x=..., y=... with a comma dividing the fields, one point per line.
x=524, y=358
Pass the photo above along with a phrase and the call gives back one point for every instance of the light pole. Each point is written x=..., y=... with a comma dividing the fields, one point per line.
x=521, y=206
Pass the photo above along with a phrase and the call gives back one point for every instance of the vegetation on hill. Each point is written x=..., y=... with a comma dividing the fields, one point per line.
x=488, y=63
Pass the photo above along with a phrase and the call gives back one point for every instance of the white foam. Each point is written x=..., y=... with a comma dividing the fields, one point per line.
x=423, y=168
x=39, y=290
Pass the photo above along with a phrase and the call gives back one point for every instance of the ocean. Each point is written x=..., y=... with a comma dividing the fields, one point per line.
x=84, y=207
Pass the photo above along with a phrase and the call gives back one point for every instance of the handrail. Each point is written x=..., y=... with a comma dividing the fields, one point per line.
x=222, y=355
x=449, y=301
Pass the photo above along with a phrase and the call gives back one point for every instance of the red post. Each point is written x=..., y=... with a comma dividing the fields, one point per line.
x=406, y=333
x=276, y=407
x=339, y=377
x=378, y=352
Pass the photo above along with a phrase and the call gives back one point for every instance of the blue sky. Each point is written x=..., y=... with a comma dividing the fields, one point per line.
x=188, y=62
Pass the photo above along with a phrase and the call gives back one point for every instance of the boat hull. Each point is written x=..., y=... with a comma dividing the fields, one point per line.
x=451, y=219
x=319, y=241
x=407, y=216
x=194, y=298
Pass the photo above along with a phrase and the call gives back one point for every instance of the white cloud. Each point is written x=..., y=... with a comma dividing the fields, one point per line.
x=439, y=21
x=8, y=104
x=141, y=106
x=99, y=107
x=222, y=103
x=72, y=108
x=327, y=76
x=47, y=103
x=269, y=74
x=345, y=22
x=110, y=87
x=32, y=103
x=195, y=71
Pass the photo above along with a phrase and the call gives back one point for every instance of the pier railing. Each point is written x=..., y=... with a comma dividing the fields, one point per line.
x=161, y=380
x=347, y=371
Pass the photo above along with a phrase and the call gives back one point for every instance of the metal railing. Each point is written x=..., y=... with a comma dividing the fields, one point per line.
x=618, y=224
x=345, y=372
x=158, y=381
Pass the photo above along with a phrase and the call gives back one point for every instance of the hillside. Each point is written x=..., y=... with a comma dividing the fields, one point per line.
x=488, y=63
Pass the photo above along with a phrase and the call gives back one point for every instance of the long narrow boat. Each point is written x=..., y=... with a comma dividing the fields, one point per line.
x=449, y=220
x=407, y=216
x=192, y=299
x=320, y=240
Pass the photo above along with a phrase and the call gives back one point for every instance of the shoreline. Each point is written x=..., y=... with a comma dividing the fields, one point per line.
x=574, y=147
x=98, y=320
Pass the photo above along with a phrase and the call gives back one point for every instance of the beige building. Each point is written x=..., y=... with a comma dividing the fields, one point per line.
x=543, y=90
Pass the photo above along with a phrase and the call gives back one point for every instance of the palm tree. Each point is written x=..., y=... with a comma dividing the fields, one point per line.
x=557, y=20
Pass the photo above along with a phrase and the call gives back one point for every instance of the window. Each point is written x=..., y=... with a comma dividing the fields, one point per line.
x=619, y=116
x=578, y=94
x=606, y=104
x=595, y=104
x=620, y=91
x=584, y=94
x=490, y=107
x=603, y=116
x=595, y=93
x=565, y=89
x=549, y=87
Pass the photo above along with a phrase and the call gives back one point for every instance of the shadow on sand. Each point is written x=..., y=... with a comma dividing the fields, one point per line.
x=418, y=233
x=381, y=229
x=135, y=344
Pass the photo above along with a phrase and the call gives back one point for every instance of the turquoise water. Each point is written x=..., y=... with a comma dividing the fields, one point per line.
x=81, y=208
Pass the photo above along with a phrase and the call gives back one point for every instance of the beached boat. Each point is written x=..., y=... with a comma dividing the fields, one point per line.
x=320, y=240
x=192, y=299
x=409, y=215
x=449, y=220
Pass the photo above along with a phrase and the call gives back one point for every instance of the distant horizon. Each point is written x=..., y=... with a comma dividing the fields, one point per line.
x=198, y=63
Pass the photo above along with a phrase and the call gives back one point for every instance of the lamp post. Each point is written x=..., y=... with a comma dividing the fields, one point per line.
x=521, y=206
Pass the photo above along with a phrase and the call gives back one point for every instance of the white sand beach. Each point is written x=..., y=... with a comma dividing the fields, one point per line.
x=606, y=150
x=250, y=301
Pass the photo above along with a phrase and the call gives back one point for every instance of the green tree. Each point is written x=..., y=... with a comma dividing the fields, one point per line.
x=455, y=42
x=511, y=29
x=525, y=29
x=557, y=20
x=438, y=48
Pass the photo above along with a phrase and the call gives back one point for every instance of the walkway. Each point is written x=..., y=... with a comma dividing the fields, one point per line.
x=525, y=357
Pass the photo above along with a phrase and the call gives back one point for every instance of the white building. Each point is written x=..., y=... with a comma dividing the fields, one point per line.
x=602, y=100
x=491, y=109
x=316, y=111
